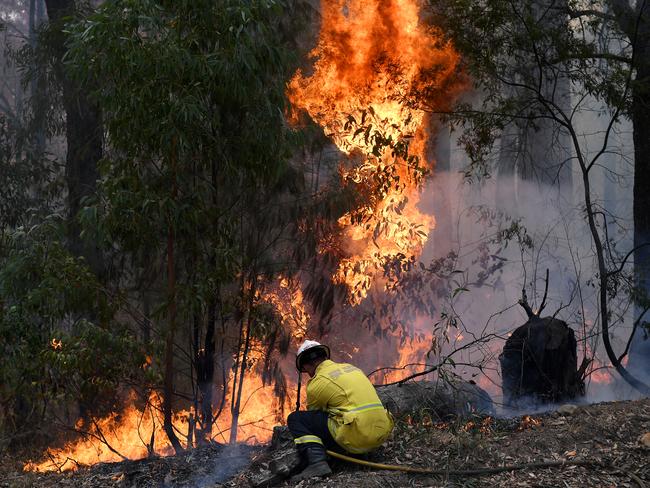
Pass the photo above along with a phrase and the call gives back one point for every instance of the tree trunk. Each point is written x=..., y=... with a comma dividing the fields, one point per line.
x=539, y=364
x=639, y=361
x=205, y=374
x=536, y=150
x=169, y=347
x=84, y=136
x=444, y=233
x=37, y=85
x=171, y=330
x=238, y=383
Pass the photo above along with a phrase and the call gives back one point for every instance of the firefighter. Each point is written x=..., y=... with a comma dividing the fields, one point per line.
x=343, y=413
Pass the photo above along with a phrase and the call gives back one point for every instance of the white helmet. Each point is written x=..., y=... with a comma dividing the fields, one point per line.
x=312, y=349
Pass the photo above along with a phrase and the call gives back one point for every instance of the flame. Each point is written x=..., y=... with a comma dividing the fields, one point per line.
x=377, y=69
x=113, y=438
x=528, y=422
x=484, y=426
x=287, y=299
x=598, y=372
x=129, y=434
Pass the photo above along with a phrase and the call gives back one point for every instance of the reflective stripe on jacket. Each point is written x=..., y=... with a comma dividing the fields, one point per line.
x=358, y=421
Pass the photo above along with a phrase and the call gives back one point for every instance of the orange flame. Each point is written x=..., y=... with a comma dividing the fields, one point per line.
x=528, y=422
x=136, y=432
x=377, y=67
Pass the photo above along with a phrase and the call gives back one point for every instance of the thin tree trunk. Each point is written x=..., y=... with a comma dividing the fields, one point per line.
x=639, y=361
x=84, y=135
x=206, y=378
x=171, y=332
x=238, y=391
x=603, y=277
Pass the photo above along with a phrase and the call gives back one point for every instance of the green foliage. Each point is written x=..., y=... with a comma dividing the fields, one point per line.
x=26, y=177
x=518, y=53
x=192, y=100
x=192, y=96
x=51, y=352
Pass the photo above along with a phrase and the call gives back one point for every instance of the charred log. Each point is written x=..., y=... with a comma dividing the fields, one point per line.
x=438, y=399
x=539, y=363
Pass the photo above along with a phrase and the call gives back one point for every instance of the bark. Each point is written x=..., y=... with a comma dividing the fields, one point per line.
x=37, y=86
x=168, y=392
x=205, y=374
x=603, y=298
x=639, y=361
x=171, y=330
x=539, y=363
x=438, y=399
x=444, y=234
x=84, y=135
x=239, y=383
x=205, y=366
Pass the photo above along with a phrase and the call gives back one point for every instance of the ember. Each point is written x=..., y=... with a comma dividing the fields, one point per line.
x=528, y=422
x=484, y=426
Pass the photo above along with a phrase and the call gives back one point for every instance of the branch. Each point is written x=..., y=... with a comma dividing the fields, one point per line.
x=100, y=437
x=396, y=368
x=574, y=14
x=447, y=359
x=624, y=15
x=627, y=256
x=605, y=56
x=541, y=307
x=524, y=303
x=634, y=328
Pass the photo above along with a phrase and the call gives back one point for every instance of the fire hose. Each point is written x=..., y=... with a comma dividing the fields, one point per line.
x=467, y=472
x=485, y=470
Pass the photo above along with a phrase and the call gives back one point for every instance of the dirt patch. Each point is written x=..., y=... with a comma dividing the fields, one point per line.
x=609, y=434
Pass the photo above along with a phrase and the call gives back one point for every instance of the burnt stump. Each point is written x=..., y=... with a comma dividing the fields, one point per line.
x=539, y=364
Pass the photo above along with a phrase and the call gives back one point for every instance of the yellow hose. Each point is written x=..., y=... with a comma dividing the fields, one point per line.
x=370, y=464
x=467, y=472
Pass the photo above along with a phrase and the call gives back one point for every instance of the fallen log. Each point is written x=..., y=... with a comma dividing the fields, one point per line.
x=282, y=464
x=439, y=399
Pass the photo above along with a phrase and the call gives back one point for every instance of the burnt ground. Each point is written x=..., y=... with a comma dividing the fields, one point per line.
x=612, y=435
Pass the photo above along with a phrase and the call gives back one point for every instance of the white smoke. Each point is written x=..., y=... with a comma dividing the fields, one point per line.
x=470, y=215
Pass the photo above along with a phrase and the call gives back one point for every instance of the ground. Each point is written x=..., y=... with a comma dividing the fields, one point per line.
x=615, y=436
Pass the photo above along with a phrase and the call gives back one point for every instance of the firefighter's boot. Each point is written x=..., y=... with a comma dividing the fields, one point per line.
x=317, y=462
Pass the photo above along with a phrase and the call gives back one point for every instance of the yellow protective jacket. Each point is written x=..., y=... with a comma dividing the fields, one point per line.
x=357, y=421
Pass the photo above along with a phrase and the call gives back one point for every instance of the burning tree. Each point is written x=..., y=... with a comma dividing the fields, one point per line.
x=227, y=244
x=375, y=66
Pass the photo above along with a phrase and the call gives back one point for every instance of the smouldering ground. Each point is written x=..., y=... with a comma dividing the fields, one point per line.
x=608, y=432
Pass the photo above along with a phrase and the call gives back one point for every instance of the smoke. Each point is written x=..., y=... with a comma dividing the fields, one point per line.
x=500, y=234
x=531, y=227
x=231, y=460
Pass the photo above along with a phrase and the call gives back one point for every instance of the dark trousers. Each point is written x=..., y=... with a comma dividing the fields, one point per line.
x=303, y=425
